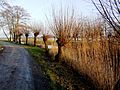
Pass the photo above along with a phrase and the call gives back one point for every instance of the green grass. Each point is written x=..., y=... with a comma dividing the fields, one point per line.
x=61, y=76
x=39, y=56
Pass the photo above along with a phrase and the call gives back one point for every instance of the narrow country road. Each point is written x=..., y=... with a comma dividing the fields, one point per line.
x=15, y=71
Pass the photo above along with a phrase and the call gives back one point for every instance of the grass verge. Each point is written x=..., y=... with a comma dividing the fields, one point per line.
x=60, y=75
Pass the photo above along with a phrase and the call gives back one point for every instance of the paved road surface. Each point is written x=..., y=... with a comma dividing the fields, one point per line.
x=15, y=71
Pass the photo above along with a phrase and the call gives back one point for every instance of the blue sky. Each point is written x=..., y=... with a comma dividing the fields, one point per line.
x=39, y=8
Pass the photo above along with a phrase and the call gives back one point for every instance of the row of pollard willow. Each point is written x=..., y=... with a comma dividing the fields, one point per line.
x=98, y=57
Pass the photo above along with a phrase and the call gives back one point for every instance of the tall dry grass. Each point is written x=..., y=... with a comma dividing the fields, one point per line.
x=95, y=55
x=87, y=49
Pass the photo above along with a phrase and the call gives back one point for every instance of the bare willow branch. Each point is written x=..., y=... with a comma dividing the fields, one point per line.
x=110, y=11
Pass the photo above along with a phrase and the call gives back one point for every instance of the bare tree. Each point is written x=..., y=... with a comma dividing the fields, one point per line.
x=2, y=26
x=110, y=11
x=36, y=28
x=78, y=28
x=26, y=32
x=20, y=17
x=20, y=30
x=5, y=17
x=4, y=3
x=63, y=27
x=45, y=39
x=45, y=35
x=13, y=16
